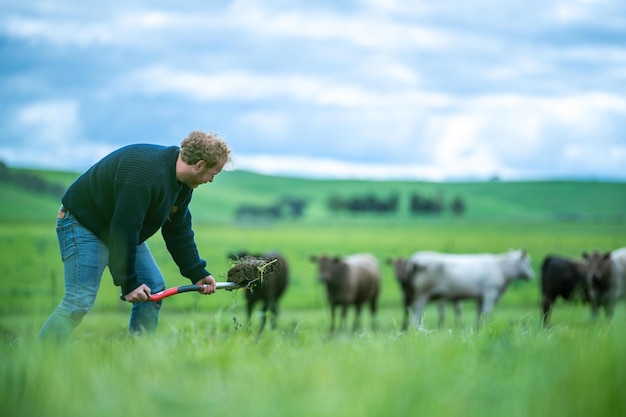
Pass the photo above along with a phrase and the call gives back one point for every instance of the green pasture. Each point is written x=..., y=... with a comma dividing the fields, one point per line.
x=204, y=360
x=33, y=274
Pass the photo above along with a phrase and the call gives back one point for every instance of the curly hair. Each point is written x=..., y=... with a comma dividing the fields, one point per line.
x=207, y=147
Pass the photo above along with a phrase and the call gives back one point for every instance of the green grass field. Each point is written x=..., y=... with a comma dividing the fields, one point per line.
x=204, y=361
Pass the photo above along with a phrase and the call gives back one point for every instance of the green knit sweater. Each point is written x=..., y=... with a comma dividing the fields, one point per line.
x=127, y=197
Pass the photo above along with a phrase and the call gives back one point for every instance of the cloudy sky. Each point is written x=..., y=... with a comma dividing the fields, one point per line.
x=430, y=90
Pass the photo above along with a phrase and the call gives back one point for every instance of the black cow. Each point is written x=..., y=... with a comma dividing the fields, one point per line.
x=269, y=290
x=561, y=277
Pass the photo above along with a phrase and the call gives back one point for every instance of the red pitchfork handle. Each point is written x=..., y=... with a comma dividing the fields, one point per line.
x=189, y=288
x=168, y=292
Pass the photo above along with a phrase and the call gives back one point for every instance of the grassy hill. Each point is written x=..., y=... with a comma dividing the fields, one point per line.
x=532, y=201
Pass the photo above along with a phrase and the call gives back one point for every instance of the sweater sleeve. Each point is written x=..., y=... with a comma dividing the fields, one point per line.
x=179, y=240
x=131, y=204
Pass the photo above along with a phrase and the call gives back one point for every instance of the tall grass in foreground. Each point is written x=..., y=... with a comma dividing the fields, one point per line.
x=199, y=365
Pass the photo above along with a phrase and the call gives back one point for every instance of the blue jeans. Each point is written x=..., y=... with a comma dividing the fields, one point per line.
x=85, y=257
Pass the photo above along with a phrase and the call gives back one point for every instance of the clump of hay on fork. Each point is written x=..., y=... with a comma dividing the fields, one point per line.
x=249, y=270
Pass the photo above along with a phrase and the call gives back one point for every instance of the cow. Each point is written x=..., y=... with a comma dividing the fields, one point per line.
x=269, y=290
x=352, y=280
x=561, y=277
x=606, y=276
x=399, y=265
x=481, y=277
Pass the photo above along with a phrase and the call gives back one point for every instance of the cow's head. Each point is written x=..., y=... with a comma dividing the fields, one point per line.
x=598, y=269
x=399, y=268
x=327, y=266
x=525, y=270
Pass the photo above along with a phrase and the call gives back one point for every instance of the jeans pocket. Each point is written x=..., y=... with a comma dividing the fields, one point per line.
x=65, y=235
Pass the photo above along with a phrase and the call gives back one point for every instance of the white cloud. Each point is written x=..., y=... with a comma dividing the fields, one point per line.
x=245, y=86
x=132, y=25
x=48, y=122
x=368, y=30
x=58, y=32
x=312, y=167
x=575, y=11
x=51, y=136
x=271, y=123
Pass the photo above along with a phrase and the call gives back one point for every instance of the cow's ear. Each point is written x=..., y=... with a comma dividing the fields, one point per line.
x=607, y=256
x=337, y=259
x=585, y=255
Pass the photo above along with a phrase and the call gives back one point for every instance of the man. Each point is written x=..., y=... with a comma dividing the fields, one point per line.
x=110, y=211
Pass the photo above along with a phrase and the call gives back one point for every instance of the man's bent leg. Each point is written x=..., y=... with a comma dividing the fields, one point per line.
x=144, y=316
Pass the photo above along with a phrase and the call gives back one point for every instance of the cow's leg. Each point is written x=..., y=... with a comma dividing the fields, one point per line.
x=344, y=315
x=418, y=309
x=373, y=311
x=596, y=302
x=274, y=312
x=249, y=311
x=332, y=317
x=479, y=312
x=263, y=316
x=457, y=313
x=405, y=319
x=546, y=305
x=486, y=306
x=357, y=317
x=441, y=307
x=249, y=308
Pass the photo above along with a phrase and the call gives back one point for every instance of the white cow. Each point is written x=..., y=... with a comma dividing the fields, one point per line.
x=482, y=277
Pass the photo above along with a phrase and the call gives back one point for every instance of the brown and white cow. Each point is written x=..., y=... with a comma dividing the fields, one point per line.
x=399, y=265
x=352, y=280
x=606, y=279
x=481, y=277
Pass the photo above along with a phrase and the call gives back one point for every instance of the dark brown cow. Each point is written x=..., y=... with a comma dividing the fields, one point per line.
x=605, y=279
x=399, y=265
x=351, y=280
x=270, y=290
x=561, y=277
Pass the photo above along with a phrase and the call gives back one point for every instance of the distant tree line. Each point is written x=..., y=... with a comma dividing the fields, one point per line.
x=293, y=207
x=366, y=203
x=418, y=204
x=283, y=208
x=31, y=182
